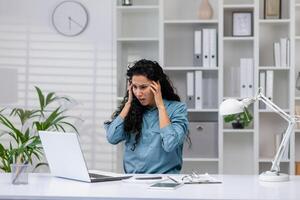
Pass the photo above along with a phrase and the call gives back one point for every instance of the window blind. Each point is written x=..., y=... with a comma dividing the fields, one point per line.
x=77, y=67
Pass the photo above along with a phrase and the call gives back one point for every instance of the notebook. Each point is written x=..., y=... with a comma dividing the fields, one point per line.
x=66, y=160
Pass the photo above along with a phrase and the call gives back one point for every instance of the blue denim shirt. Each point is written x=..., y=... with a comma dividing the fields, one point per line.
x=159, y=149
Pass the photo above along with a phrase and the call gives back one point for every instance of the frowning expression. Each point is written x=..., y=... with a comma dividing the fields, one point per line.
x=141, y=90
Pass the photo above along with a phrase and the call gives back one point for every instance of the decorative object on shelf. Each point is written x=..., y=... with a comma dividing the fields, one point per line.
x=239, y=120
x=25, y=141
x=233, y=106
x=272, y=9
x=70, y=18
x=242, y=23
x=297, y=170
x=297, y=112
x=126, y=2
x=205, y=10
x=298, y=81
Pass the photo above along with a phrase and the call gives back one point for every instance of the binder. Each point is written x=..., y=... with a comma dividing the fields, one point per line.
x=288, y=46
x=197, y=48
x=198, y=90
x=206, y=41
x=262, y=84
x=283, y=47
x=269, y=84
x=250, y=81
x=190, y=99
x=244, y=79
x=213, y=47
x=277, y=54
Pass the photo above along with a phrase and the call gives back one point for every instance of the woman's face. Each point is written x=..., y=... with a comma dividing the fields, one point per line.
x=141, y=90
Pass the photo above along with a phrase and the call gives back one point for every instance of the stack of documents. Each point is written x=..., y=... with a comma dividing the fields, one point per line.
x=195, y=179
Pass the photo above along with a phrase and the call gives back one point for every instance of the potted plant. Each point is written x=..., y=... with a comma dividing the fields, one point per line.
x=239, y=120
x=21, y=126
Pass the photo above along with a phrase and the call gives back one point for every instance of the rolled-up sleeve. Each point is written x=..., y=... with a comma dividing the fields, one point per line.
x=115, y=131
x=174, y=134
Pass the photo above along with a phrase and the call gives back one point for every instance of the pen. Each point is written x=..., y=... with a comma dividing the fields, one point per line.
x=169, y=177
x=148, y=178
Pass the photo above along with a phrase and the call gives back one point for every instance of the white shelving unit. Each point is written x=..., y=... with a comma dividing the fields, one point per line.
x=163, y=30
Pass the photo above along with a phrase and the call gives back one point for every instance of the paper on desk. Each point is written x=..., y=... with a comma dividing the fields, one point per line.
x=196, y=179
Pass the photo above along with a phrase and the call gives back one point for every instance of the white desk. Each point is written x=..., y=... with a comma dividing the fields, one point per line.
x=43, y=186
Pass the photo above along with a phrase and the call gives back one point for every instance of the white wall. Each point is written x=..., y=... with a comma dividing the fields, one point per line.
x=82, y=67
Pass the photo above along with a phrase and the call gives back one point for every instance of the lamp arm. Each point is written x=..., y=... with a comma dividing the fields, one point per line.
x=283, y=145
x=286, y=138
x=274, y=107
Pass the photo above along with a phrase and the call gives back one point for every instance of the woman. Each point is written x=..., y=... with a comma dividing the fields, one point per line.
x=152, y=121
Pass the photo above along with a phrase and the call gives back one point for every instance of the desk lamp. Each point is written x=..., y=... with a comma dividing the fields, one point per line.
x=233, y=106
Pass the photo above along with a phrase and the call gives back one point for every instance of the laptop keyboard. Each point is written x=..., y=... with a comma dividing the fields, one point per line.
x=92, y=175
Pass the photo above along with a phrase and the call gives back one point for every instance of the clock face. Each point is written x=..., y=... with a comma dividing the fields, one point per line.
x=70, y=18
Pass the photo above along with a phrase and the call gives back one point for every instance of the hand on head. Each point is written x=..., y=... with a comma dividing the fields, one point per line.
x=156, y=90
x=129, y=89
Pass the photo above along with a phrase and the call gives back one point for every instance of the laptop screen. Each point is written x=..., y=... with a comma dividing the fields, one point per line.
x=64, y=155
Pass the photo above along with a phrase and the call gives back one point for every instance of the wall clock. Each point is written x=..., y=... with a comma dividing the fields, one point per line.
x=70, y=18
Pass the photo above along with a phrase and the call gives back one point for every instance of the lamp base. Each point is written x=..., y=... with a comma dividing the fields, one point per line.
x=270, y=176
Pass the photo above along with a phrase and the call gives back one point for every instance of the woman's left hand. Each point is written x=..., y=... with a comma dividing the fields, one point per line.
x=156, y=89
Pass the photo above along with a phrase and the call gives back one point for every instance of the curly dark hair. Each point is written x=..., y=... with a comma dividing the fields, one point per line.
x=153, y=71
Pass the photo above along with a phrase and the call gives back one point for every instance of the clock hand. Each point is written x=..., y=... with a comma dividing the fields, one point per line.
x=69, y=23
x=75, y=22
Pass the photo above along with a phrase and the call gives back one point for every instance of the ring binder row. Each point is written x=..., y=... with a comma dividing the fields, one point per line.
x=266, y=83
x=205, y=47
x=201, y=90
x=282, y=53
x=194, y=90
x=246, y=80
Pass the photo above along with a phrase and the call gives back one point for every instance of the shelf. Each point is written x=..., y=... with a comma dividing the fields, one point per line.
x=271, y=111
x=201, y=159
x=270, y=160
x=173, y=68
x=238, y=6
x=238, y=130
x=203, y=110
x=239, y=98
x=229, y=38
x=273, y=68
x=274, y=21
x=137, y=8
x=212, y=21
x=135, y=39
x=166, y=32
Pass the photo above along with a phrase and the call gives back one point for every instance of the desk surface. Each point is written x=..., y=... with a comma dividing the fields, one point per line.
x=43, y=186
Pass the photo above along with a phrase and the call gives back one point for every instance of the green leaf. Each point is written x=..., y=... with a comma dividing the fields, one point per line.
x=50, y=98
x=41, y=98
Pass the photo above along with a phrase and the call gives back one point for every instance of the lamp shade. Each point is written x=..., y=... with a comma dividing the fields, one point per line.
x=231, y=106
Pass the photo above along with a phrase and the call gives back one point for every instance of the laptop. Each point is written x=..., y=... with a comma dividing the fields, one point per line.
x=66, y=160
